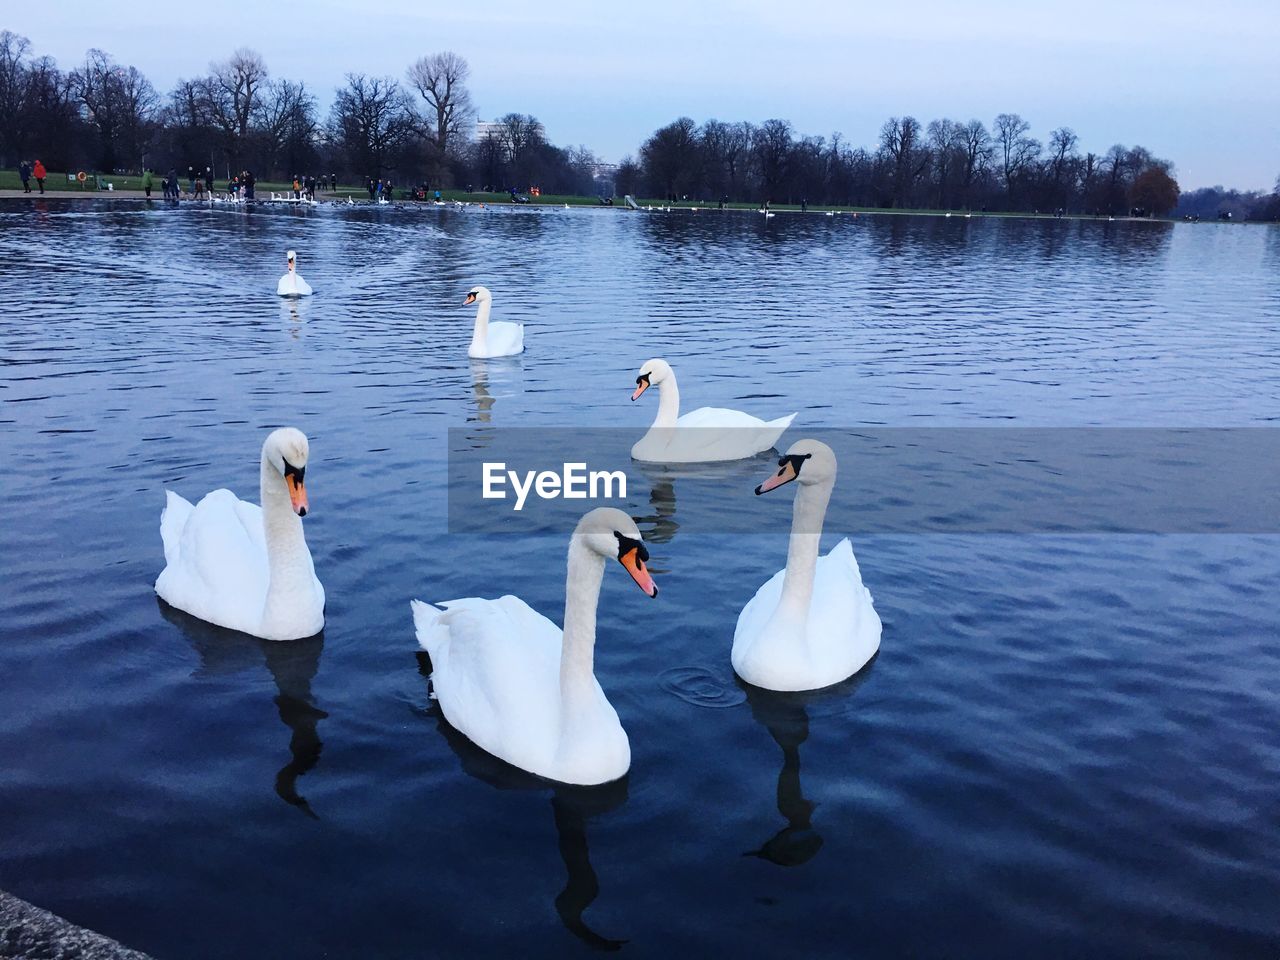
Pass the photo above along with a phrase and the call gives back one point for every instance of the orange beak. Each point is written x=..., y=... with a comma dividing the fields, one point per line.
x=786, y=473
x=635, y=566
x=297, y=494
x=471, y=298
x=641, y=387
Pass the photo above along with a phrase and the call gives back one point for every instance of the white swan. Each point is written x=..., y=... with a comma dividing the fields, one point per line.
x=492, y=339
x=812, y=624
x=702, y=436
x=243, y=566
x=292, y=284
x=517, y=685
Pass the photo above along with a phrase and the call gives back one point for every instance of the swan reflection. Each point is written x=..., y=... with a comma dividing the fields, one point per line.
x=659, y=524
x=571, y=808
x=786, y=717
x=292, y=666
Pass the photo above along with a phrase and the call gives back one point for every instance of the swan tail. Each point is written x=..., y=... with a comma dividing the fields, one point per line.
x=431, y=625
x=177, y=510
x=775, y=429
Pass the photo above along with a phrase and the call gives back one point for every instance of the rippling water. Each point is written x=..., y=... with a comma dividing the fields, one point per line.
x=1067, y=746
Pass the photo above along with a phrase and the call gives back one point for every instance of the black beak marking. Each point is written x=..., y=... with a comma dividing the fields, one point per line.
x=627, y=544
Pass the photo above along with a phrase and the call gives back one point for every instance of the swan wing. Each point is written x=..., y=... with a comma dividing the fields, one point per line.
x=709, y=434
x=505, y=339
x=496, y=674
x=216, y=568
x=841, y=632
x=292, y=285
x=844, y=628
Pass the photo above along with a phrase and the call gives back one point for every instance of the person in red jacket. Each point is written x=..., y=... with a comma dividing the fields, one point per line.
x=39, y=172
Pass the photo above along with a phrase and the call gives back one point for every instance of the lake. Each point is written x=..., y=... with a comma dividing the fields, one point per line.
x=1068, y=745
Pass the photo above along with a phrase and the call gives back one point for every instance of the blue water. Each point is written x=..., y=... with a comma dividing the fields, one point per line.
x=1067, y=746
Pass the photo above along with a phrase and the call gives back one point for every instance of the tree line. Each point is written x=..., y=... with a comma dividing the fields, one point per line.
x=946, y=164
x=108, y=117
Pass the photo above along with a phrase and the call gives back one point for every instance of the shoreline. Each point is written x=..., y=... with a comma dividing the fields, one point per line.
x=684, y=206
x=26, y=931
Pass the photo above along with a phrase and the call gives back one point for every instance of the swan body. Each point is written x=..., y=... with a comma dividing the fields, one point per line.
x=813, y=623
x=242, y=566
x=292, y=284
x=523, y=689
x=705, y=435
x=495, y=339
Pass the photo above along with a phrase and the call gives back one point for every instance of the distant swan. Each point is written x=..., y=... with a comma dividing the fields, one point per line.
x=813, y=623
x=292, y=284
x=520, y=687
x=496, y=339
x=242, y=566
x=704, y=435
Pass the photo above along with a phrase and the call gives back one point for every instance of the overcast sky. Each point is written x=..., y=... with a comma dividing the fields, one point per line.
x=1194, y=81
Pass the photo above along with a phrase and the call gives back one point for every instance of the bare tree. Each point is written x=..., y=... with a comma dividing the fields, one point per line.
x=441, y=79
x=287, y=121
x=771, y=150
x=671, y=157
x=120, y=103
x=233, y=90
x=15, y=52
x=946, y=138
x=1062, y=162
x=1017, y=150
x=522, y=135
x=976, y=147
x=371, y=118
x=907, y=157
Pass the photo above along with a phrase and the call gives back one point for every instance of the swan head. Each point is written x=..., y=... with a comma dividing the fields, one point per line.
x=477, y=295
x=809, y=461
x=651, y=374
x=286, y=451
x=292, y=258
x=612, y=534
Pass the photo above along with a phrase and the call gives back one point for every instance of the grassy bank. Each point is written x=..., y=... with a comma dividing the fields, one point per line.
x=58, y=184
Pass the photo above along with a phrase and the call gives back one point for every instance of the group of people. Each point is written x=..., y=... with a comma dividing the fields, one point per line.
x=379, y=189
x=27, y=171
x=307, y=185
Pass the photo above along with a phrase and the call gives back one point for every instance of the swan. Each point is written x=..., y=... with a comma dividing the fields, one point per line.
x=242, y=566
x=813, y=623
x=492, y=339
x=703, y=435
x=292, y=284
x=521, y=688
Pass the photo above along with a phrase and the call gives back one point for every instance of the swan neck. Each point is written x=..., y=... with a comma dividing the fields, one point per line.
x=482, y=322
x=668, y=402
x=288, y=564
x=802, y=549
x=581, y=597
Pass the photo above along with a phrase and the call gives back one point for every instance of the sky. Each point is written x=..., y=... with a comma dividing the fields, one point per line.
x=1194, y=82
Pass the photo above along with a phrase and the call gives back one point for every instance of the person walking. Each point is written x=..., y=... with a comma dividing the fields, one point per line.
x=24, y=172
x=333, y=182
x=370, y=187
x=40, y=173
x=297, y=188
x=208, y=180
x=249, y=182
x=147, y=181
